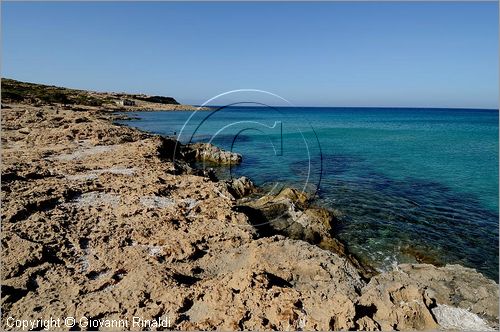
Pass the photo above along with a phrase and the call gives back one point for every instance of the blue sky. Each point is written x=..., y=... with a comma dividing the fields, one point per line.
x=316, y=54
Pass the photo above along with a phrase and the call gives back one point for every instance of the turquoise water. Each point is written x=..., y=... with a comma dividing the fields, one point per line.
x=410, y=182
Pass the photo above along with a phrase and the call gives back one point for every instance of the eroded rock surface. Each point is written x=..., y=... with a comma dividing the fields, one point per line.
x=206, y=152
x=413, y=289
x=290, y=213
x=103, y=221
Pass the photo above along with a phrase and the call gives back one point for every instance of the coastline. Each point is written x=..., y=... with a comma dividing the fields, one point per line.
x=109, y=204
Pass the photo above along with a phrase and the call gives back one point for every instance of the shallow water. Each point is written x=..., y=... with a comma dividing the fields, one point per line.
x=412, y=183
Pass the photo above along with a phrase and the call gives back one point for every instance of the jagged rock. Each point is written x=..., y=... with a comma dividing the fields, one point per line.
x=397, y=306
x=240, y=187
x=457, y=286
x=206, y=152
x=403, y=299
x=19, y=254
x=288, y=213
x=275, y=283
x=287, y=195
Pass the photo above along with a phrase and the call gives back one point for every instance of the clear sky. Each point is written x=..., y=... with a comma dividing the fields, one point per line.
x=313, y=54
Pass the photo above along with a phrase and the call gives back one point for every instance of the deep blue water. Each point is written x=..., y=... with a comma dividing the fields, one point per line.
x=409, y=181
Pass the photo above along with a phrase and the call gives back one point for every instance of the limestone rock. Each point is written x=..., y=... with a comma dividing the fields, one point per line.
x=404, y=298
x=205, y=152
x=240, y=187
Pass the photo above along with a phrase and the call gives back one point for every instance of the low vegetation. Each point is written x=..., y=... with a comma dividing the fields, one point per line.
x=23, y=92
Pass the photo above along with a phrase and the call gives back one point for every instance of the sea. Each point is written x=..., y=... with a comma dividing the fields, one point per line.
x=408, y=184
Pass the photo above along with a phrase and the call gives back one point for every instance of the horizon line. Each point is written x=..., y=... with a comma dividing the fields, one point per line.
x=194, y=104
x=385, y=107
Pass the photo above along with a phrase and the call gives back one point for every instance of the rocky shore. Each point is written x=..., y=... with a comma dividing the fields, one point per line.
x=105, y=222
x=39, y=94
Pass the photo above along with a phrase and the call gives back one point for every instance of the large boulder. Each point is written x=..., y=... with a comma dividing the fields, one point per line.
x=240, y=187
x=290, y=213
x=206, y=152
x=423, y=296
